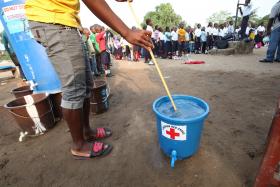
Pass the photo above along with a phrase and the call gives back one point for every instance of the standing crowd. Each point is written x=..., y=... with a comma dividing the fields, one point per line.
x=170, y=43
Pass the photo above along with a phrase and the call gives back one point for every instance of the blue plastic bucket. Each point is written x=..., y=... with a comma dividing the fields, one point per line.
x=180, y=138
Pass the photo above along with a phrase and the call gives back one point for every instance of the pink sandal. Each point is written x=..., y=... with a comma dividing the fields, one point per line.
x=101, y=133
x=97, y=149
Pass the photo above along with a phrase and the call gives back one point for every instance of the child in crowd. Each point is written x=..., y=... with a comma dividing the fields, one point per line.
x=161, y=43
x=187, y=37
x=168, y=45
x=174, y=42
x=104, y=55
x=221, y=31
x=192, y=41
x=259, y=36
x=230, y=28
x=89, y=51
x=203, y=39
x=118, y=48
x=156, y=41
x=225, y=29
x=97, y=49
x=135, y=50
x=109, y=39
x=147, y=55
x=126, y=50
x=215, y=32
x=181, y=39
x=252, y=34
x=209, y=32
x=248, y=28
x=197, y=33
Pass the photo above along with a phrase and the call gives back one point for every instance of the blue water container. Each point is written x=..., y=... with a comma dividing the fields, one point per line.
x=180, y=138
x=31, y=55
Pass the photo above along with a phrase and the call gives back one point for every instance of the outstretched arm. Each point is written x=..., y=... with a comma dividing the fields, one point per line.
x=101, y=9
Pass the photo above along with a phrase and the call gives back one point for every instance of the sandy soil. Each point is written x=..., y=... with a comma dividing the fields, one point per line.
x=241, y=92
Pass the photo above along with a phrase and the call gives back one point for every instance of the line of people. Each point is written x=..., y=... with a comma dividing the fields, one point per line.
x=97, y=43
x=173, y=43
x=168, y=43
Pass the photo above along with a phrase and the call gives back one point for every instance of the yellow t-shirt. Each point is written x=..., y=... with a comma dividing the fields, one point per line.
x=182, y=35
x=64, y=12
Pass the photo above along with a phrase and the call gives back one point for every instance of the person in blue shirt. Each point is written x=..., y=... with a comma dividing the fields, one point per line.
x=203, y=39
x=168, y=46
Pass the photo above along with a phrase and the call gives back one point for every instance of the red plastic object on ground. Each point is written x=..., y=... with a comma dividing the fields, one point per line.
x=194, y=62
x=269, y=171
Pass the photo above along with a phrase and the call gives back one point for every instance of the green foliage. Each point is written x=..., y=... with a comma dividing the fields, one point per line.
x=223, y=16
x=219, y=17
x=254, y=20
x=263, y=20
x=163, y=16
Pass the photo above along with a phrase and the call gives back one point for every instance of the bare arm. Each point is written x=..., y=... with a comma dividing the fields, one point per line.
x=240, y=9
x=101, y=9
x=269, y=25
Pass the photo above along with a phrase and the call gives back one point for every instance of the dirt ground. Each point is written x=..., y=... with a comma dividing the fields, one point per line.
x=241, y=92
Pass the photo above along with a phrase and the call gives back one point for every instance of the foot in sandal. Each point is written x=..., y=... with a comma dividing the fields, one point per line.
x=91, y=150
x=97, y=133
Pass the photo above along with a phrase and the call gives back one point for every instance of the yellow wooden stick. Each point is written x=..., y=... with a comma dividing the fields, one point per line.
x=154, y=60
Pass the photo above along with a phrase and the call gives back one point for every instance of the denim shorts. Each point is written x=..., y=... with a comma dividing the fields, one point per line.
x=64, y=48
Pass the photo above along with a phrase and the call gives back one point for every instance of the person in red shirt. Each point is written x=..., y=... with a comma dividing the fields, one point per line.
x=104, y=55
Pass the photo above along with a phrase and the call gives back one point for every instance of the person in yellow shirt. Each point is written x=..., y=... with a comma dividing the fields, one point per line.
x=54, y=24
x=181, y=39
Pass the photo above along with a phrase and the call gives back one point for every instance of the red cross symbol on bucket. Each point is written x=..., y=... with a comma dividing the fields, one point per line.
x=172, y=133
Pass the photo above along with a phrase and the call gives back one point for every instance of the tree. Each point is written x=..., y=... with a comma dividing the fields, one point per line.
x=164, y=16
x=263, y=20
x=254, y=20
x=219, y=17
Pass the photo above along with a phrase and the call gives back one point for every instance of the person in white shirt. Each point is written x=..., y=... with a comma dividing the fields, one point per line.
x=237, y=30
x=174, y=41
x=126, y=49
x=230, y=28
x=156, y=41
x=246, y=12
x=161, y=43
x=259, y=36
x=146, y=52
x=225, y=29
x=197, y=34
x=209, y=32
x=215, y=32
x=261, y=28
x=222, y=31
